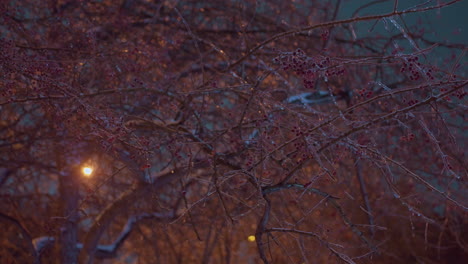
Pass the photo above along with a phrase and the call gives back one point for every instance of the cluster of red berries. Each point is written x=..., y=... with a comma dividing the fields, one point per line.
x=415, y=68
x=308, y=68
x=413, y=102
x=145, y=166
x=297, y=61
x=249, y=161
x=298, y=131
x=408, y=137
x=460, y=94
x=325, y=35
x=365, y=93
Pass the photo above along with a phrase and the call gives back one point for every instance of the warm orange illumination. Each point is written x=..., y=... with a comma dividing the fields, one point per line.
x=87, y=171
x=251, y=238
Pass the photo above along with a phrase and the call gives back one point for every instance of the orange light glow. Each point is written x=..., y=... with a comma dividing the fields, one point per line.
x=87, y=171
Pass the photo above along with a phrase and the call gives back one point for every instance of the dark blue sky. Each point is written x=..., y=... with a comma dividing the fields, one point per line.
x=449, y=23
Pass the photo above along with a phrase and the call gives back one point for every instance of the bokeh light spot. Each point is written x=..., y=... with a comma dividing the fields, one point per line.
x=87, y=171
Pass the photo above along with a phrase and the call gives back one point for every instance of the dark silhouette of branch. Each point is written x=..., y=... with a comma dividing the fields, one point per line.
x=261, y=227
x=31, y=251
x=132, y=195
x=322, y=241
x=110, y=250
x=365, y=196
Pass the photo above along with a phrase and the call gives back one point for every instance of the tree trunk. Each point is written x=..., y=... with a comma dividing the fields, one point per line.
x=69, y=231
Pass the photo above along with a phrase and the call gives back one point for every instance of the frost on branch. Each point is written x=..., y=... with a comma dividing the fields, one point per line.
x=326, y=130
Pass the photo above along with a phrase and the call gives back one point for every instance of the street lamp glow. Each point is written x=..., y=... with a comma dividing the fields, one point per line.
x=87, y=171
x=251, y=238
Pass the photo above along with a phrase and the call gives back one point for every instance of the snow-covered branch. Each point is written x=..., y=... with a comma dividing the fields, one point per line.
x=109, y=251
x=42, y=242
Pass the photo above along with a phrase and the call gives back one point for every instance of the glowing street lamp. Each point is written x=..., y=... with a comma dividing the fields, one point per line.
x=251, y=238
x=87, y=171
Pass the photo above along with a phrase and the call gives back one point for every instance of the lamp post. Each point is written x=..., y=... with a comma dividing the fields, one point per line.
x=69, y=191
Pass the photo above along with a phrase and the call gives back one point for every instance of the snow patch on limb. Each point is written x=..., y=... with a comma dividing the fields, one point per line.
x=105, y=251
x=40, y=243
x=126, y=199
x=307, y=98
